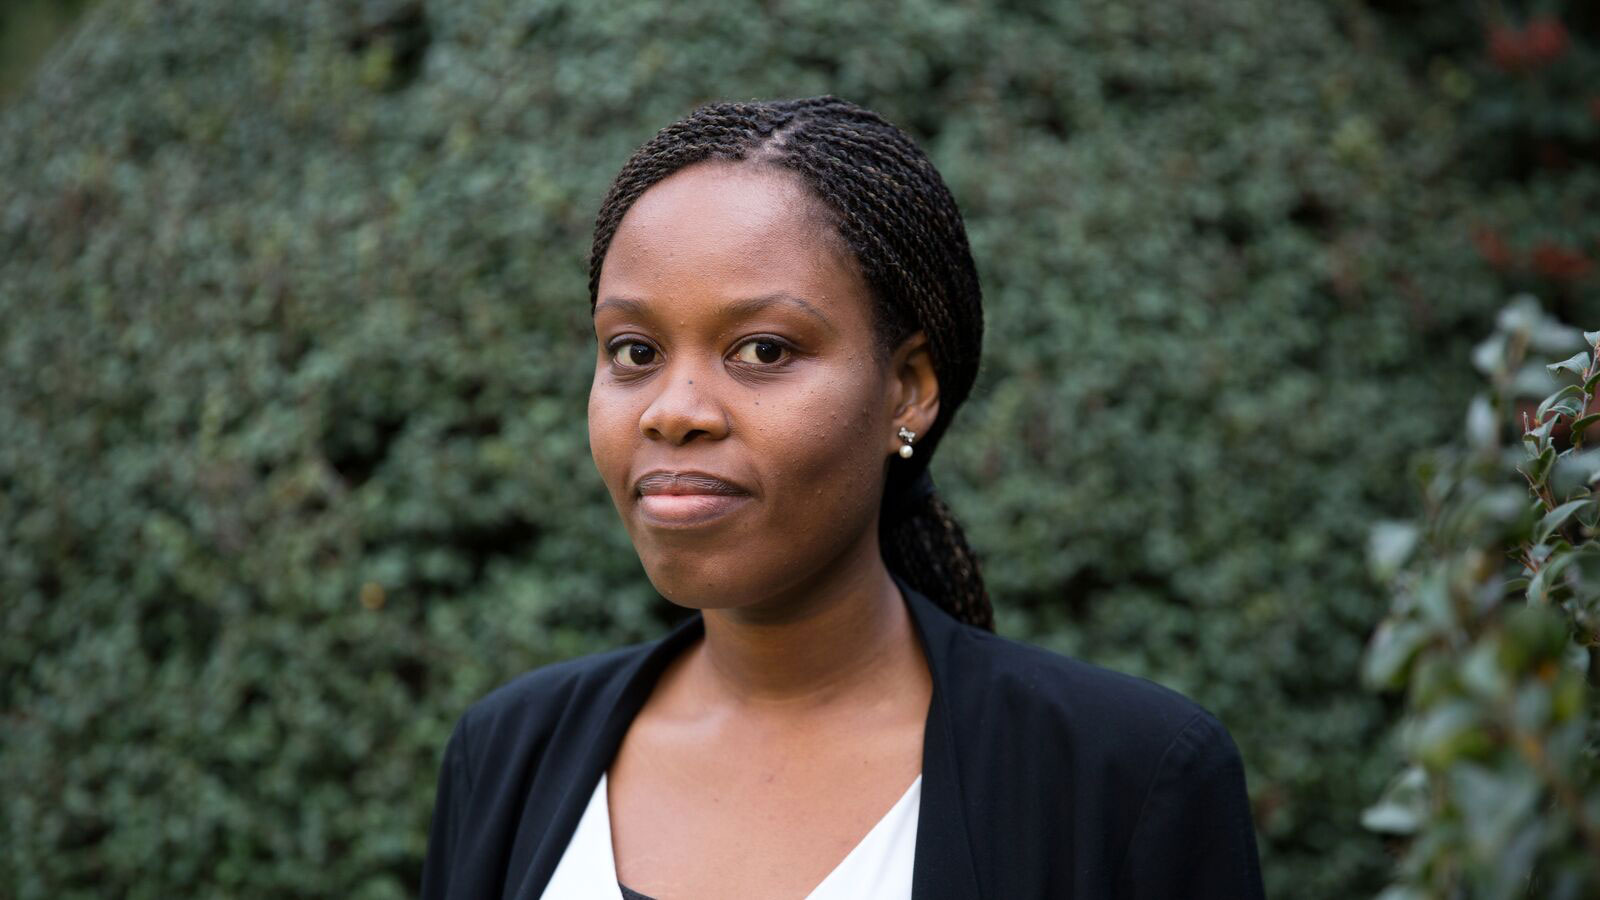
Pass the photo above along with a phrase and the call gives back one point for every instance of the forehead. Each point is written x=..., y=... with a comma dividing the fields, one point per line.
x=720, y=232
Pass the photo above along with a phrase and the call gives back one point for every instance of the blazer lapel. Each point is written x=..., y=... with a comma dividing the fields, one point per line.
x=545, y=831
x=943, y=867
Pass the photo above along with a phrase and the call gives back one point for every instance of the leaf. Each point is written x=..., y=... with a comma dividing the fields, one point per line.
x=1576, y=364
x=1531, y=380
x=1589, y=517
x=1550, y=336
x=1489, y=356
x=1556, y=400
x=1579, y=426
x=1390, y=818
x=1520, y=315
x=1433, y=601
x=1403, y=807
x=1576, y=471
x=1482, y=431
x=1536, y=438
x=1448, y=732
x=1557, y=517
x=1493, y=803
x=1569, y=480
x=1547, y=579
x=1591, y=338
x=1390, y=652
x=1569, y=407
x=1389, y=545
x=1533, y=705
x=1480, y=673
x=1539, y=470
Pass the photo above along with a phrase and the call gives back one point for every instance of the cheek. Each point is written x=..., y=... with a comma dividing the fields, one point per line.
x=609, y=434
x=824, y=447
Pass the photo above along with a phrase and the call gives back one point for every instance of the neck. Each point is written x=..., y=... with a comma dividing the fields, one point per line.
x=848, y=633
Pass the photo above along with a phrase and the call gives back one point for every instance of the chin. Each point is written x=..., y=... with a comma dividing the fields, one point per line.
x=695, y=586
x=704, y=581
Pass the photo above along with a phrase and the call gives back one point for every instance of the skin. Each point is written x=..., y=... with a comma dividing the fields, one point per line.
x=768, y=749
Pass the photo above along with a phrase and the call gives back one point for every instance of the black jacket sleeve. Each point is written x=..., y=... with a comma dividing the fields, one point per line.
x=450, y=800
x=1194, y=837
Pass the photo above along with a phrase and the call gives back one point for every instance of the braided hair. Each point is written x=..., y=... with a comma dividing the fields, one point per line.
x=893, y=212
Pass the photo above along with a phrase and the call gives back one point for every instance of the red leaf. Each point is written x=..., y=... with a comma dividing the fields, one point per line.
x=1546, y=40
x=1492, y=247
x=1507, y=50
x=1558, y=263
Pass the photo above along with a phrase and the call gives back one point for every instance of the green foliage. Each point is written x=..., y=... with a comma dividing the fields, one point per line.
x=1499, y=653
x=27, y=29
x=1518, y=78
x=293, y=366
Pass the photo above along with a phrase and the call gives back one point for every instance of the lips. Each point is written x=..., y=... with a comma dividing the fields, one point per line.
x=682, y=499
x=661, y=481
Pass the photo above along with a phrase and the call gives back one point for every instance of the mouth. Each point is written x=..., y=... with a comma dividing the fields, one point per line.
x=670, y=499
x=685, y=510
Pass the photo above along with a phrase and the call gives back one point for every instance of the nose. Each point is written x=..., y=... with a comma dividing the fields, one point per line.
x=685, y=408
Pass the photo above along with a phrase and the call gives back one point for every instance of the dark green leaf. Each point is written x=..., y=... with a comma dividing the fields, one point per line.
x=1557, y=517
x=1449, y=732
x=1576, y=364
x=1589, y=516
x=1547, y=580
x=1538, y=437
x=1392, y=647
x=1560, y=400
x=1493, y=802
x=1539, y=469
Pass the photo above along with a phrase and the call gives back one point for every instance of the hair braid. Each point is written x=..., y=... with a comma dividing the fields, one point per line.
x=893, y=211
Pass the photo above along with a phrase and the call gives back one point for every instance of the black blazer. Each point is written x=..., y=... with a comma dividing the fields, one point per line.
x=1042, y=776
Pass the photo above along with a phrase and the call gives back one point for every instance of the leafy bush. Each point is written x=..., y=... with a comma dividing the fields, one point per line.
x=293, y=365
x=27, y=29
x=1499, y=652
x=1518, y=78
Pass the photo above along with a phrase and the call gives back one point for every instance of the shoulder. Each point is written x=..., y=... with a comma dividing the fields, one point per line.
x=1098, y=710
x=511, y=759
x=1146, y=782
x=529, y=707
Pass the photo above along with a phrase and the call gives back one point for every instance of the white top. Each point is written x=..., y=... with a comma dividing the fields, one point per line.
x=878, y=867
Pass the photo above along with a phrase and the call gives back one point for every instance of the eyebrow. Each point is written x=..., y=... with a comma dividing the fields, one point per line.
x=746, y=307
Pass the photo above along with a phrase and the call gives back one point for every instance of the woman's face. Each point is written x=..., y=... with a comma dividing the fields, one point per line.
x=735, y=341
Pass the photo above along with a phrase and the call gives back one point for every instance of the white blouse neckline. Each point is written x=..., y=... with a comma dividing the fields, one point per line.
x=878, y=866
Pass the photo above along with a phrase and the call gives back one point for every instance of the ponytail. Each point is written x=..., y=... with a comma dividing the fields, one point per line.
x=922, y=543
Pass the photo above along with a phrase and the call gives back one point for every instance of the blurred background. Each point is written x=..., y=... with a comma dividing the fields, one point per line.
x=294, y=365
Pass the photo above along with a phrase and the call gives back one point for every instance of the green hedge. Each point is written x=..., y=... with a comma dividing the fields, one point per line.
x=293, y=367
x=1494, y=634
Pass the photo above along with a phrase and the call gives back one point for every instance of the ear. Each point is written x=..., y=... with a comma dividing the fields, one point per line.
x=914, y=390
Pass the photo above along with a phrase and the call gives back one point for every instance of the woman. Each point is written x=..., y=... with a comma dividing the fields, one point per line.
x=788, y=316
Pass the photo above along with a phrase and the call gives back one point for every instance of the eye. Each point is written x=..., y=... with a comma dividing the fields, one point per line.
x=762, y=351
x=632, y=354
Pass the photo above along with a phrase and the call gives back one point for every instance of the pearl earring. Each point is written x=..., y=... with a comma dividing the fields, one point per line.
x=908, y=436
